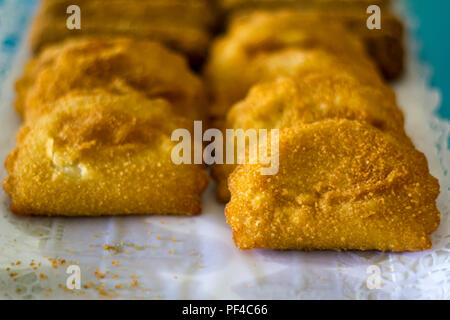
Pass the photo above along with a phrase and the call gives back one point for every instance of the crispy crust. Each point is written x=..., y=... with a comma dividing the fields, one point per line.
x=197, y=13
x=341, y=185
x=102, y=154
x=182, y=25
x=385, y=46
x=287, y=103
x=233, y=5
x=248, y=54
x=85, y=64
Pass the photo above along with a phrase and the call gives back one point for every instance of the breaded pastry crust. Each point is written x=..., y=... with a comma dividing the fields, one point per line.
x=102, y=154
x=233, y=5
x=196, y=13
x=244, y=54
x=182, y=25
x=385, y=45
x=86, y=64
x=287, y=103
x=341, y=185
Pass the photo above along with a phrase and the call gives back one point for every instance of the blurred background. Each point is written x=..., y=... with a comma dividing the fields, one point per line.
x=431, y=25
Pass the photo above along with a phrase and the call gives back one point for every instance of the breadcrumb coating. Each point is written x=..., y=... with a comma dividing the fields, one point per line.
x=185, y=26
x=302, y=4
x=81, y=65
x=341, y=185
x=263, y=46
x=287, y=103
x=385, y=46
x=102, y=154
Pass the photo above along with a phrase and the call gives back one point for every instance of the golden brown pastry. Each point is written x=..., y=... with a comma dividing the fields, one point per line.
x=294, y=63
x=86, y=64
x=341, y=5
x=287, y=103
x=264, y=46
x=102, y=154
x=182, y=25
x=385, y=45
x=197, y=13
x=341, y=185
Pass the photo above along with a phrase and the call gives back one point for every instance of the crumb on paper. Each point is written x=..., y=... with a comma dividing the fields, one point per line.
x=100, y=275
x=112, y=248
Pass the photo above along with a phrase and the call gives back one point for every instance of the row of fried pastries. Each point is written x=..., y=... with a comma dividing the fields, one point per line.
x=349, y=177
x=99, y=114
x=188, y=26
x=184, y=25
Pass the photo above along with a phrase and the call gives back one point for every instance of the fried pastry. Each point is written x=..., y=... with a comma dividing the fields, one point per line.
x=385, y=46
x=102, y=154
x=294, y=63
x=341, y=185
x=85, y=64
x=182, y=25
x=234, y=5
x=197, y=13
x=287, y=103
x=249, y=53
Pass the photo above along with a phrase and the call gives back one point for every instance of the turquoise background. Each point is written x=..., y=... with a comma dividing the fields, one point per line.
x=433, y=18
